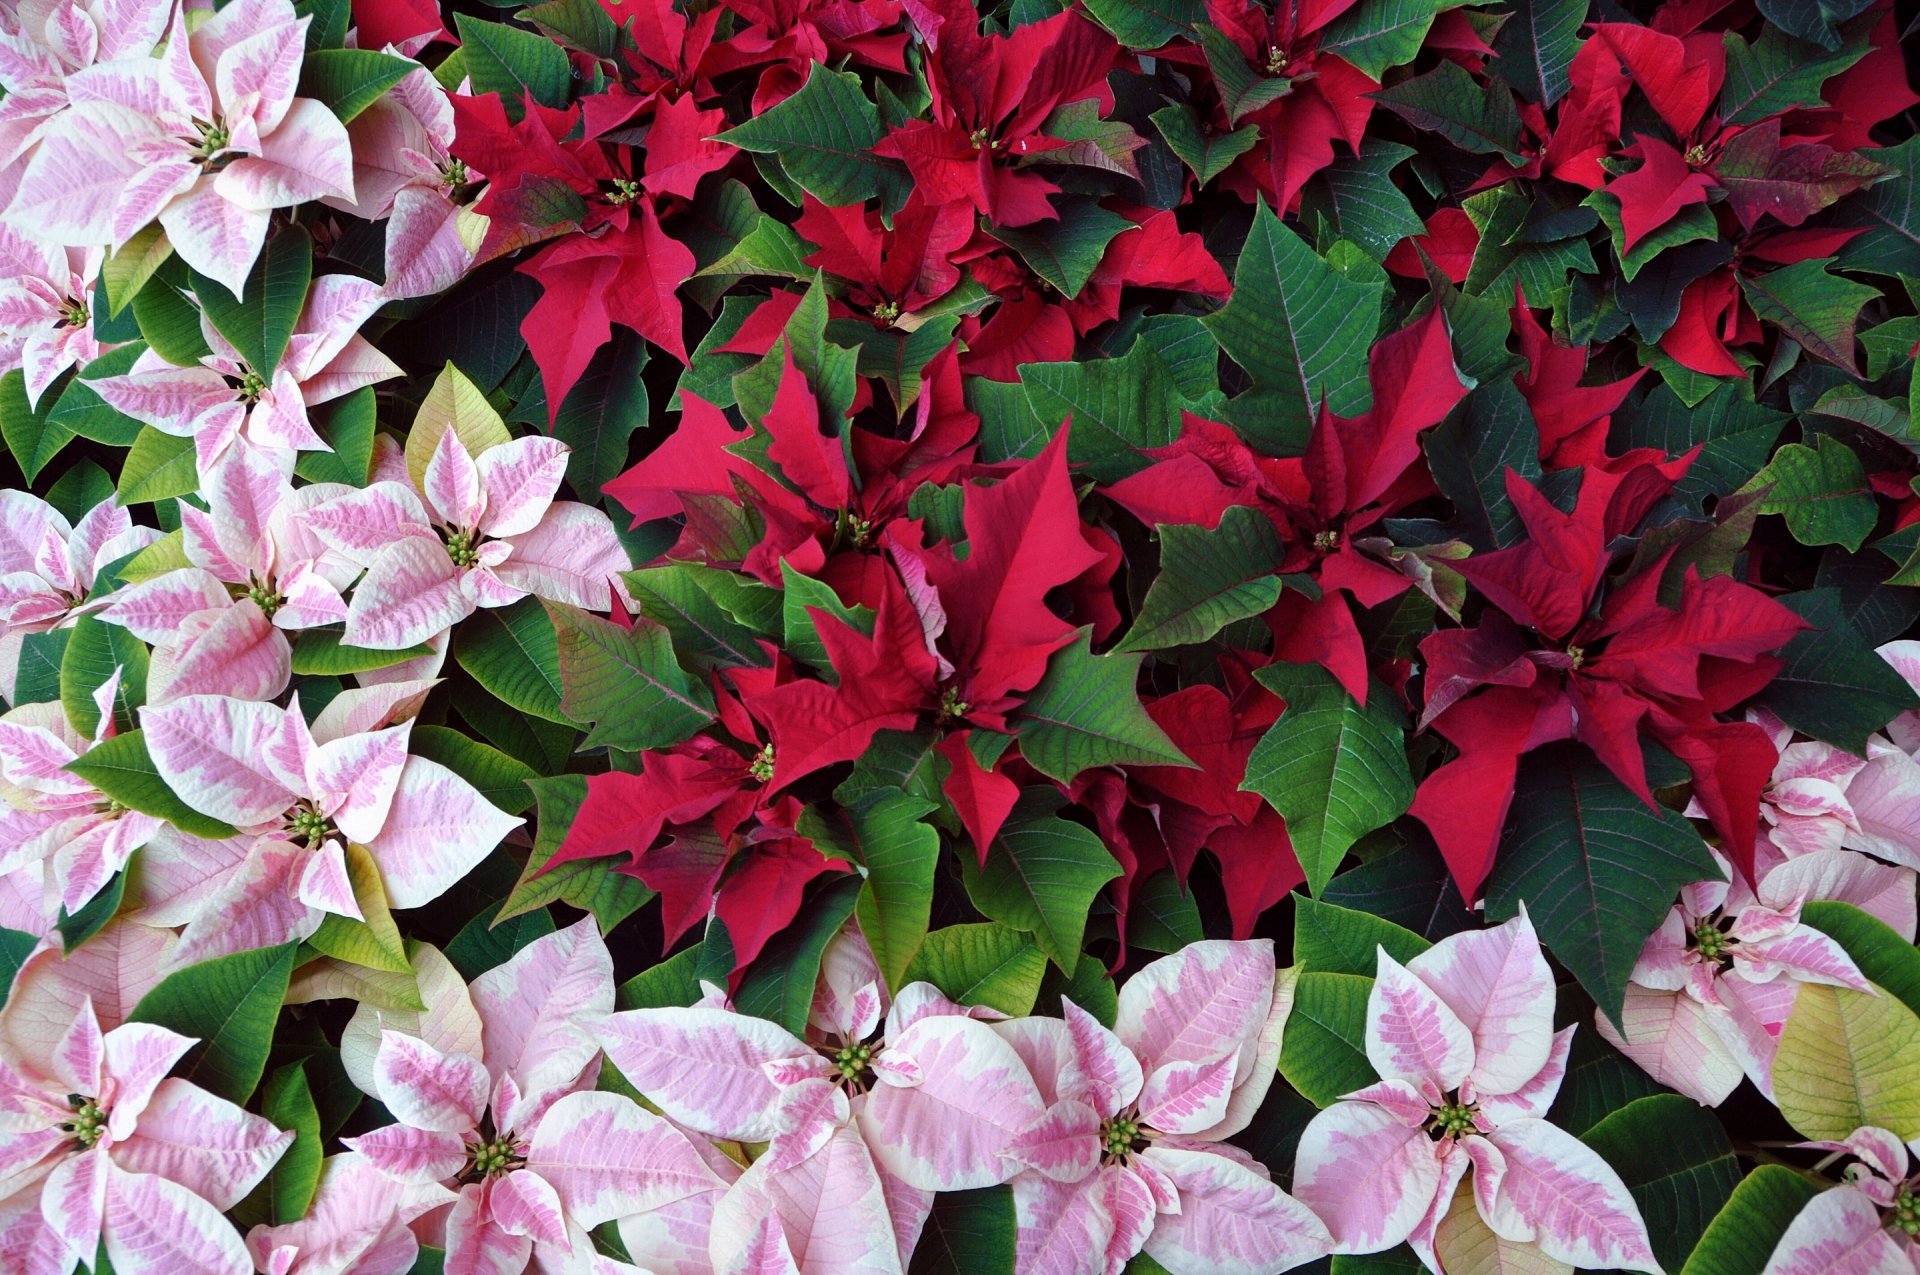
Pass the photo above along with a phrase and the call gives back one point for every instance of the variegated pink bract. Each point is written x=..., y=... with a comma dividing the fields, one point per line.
x=536, y=1156
x=298, y=794
x=220, y=624
x=1715, y=983
x=42, y=42
x=1462, y=1038
x=208, y=138
x=481, y=531
x=46, y=299
x=1129, y=1154
x=116, y=1151
x=55, y=817
x=222, y=403
x=358, y=1224
x=48, y=566
x=1868, y=1225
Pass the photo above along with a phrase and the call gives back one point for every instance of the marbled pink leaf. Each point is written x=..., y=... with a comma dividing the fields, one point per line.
x=536, y=1007
x=1412, y=1034
x=1090, y=1227
x=411, y=593
x=831, y=1207
x=1064, y=1144
x=216, y=754
x=702, y=1067
x=524, y=1203
x=452, y=485
x=436, y=831
x=571, y=557
x=205, y=1143
x=520, y=479
x=411, y=1155
x=1498, y=985
x=1838, y=1233
x=476, y=1245
x=153, y=1226
x=1367, y=1174
x=1560, y=1194
x=946, y=1133
x=1206, y=1001
x=608, y=1158
x=1184, y=1097
x=154, y=610
x=1230, y=1218
x=428, y=1089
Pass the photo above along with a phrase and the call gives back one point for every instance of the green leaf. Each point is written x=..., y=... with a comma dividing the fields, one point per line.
x=80, y=409
x=15, y=947
x=30, y=436
x=1360, y=202
x=1161, y=916
x=513, y=652
x=127, y=271
x=592, y=885
x=982, y=964
x=1811, y=20
x=1334, y=769
x=1488, y=433
x=295, y=1176
x=1377, y=35
x=158, y=467
x=1599, y=1082
x=779, y=986
x=348, y=424
x=1692, y=223
x=77, y=927
x=501, y=779
x=1089, y=987
x=373, y=942
x=1509, y=256
x=1734, y=435
x=1119, y=407
x=1777, y=73
x=1848, y=1059
x=1815, y=308
x=578, y=24
x=1242, y=89
x=320, y=653
x=1066, y=251
x=1886, y=958
x=38, y=679
x=511, y=62
x=824, y=135
x=673, y=983
x=1596, y=867
x=898, y=857
x=1207, y=154
x=1086, y=712
x=1743, y=1235
x=453, y=402
x=169, y=320
x=1821, y=491
x=1323, y=1054
x=1147, y=24
x=1676, y=1161
x=1535, y=48
x=967, y=1231
x=1834, y=687
x=1208, y=580
x=1299, y=328
x=1041, y=876
x=1328, y=939
x=802, y=595
x=259, y=322
x=626, y=682
x=1447, y=100
x=94, y=652
x=230, y=1004
x=1890, y=214
x=715, y=617
x=121, y=768
x=600, y=413
x=348, y=81
x=896, y=762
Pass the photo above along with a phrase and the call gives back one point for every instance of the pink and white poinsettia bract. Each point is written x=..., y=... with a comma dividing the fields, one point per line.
x=223, y=403
x=1714, y=985
x=1462, y=1037
x=301, y=793
x=1868, y=1225
x=482, y=531
x=48, y=566
x=1130, y=1152
x=208, y=138
x=117, y=1151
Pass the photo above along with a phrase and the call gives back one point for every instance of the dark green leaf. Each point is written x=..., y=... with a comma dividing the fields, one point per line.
x=501, y=779
x=899, y=855
x=1734, y=433
x=1208, y=580
x=824, y=135
x=95, y=652
x=1777, y=73
x=511, y=62
x=985, y=964
x=1535, y=48
x=1743, y=1235
x=1066, y=251
x=1834, y=687
x=295, y=1176
x=1323, y=1054
x=1147, y=24
x=30, y=436
x=1207, y=154
x=15, y=947
x=1821, y=491
x=1488, y=433
x=1595, y=866
x=158, y=466
x=1360, y=201
x=320, y=653
x=967, y=1231
x=1042, y=876
x=1813, y=307
x=1476, y=117
x=1329, y=939
x=1377, y=35
x=1119, y=408
x=348, y=81
x=779, y=985
x=259, y=322
x=1242, y=90
x=592, y=885
x=514, y=653
x=1676, y=1161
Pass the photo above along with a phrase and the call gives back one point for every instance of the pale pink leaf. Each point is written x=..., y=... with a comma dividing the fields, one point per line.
x=437, y=829
x=1206, y=1001
x=519, y=479
x=1369, y=1176
x=1230, y=1218
x=608, y=1158
x=536, y=1007
x=412, y=1155
x=947, y=1132
x=1064, y=1144
x=1412, y=1034
x=1497, y=983
x=1560, y=1194
x=702, y=1067
x=428, y=1089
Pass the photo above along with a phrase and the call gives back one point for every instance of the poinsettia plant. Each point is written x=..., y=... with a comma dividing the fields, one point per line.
x=817, y=636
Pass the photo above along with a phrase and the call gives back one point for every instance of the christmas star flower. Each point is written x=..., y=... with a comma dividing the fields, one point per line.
x=1462, y=1037
x=48, y=566
x=481, y=531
